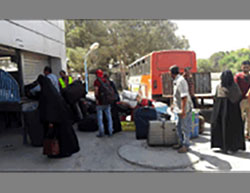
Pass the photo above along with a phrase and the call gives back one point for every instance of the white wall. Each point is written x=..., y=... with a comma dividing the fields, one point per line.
x=39, y=36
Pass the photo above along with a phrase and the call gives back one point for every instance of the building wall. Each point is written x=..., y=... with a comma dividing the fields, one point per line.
x=44, y=37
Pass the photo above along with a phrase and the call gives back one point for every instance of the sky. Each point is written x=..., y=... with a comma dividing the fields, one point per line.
x=209, y=36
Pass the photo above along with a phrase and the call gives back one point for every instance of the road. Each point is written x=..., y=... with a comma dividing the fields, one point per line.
x=101, y=155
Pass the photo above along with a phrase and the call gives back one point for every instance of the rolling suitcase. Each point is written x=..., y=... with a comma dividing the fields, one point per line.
x=34, y=127
x=162, y=133
x=142, y=116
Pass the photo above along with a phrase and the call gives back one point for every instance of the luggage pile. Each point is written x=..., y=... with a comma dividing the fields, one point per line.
x=129, y=98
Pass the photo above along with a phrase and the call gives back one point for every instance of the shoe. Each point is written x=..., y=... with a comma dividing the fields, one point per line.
x=176, y=146
x=100, y=135
x=183, y=149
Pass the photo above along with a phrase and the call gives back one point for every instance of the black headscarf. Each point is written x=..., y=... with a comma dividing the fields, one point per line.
x=228, y=88
x=227, y=79
x=51, y=104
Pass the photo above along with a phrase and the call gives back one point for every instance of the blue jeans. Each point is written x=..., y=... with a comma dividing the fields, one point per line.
x=184, y=127
x=107, y=111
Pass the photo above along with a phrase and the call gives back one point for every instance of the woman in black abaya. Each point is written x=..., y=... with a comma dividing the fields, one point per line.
x=53, y=113
x=227, y=125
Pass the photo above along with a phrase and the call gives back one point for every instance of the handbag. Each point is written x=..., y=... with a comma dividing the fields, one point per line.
x=51, y=144
x=51, y=147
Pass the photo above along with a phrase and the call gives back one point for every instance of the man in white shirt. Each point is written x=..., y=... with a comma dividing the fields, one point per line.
x=182, y=106
x=48, y=73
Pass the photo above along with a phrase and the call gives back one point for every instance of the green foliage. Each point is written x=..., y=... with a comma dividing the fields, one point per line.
x=221, y=61
x=204, y=65
x=121, y=41
x=76, y=58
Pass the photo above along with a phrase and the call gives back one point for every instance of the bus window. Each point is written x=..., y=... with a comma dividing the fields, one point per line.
x=147, y=65
x=143, y=68
x=140, y=68
x=137, y=69
x=130, y=71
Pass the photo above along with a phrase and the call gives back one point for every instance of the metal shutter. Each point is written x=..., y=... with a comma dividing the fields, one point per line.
x=33, y=65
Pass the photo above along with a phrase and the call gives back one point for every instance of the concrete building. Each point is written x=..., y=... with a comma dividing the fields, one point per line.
x=31, y=45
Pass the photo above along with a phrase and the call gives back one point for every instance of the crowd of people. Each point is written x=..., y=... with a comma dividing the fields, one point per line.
x=229, y=117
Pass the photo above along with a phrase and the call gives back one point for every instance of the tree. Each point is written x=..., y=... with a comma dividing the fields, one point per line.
x=221, y=61
x=204, y=65
x=234, y=59
x=215, y=58
x=121, y=41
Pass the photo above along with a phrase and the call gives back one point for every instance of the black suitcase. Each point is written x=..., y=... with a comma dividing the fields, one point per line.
x=142, y=116
x=88, y=124
x=34, y=127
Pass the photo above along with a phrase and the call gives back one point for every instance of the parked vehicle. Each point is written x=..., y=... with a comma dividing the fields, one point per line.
x=145, y=74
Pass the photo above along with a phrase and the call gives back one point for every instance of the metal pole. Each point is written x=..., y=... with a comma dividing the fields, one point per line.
x=86, y=71
x=86, y=75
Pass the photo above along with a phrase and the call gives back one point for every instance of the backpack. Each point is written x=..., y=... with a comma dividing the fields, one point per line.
x=106, y=93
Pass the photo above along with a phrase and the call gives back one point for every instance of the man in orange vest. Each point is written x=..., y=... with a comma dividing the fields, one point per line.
x=65, y=80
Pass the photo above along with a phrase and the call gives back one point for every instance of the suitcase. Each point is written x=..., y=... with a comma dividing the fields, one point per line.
x=141, y=117
x=162, y=133
x=34, y=127
x=195, y=124
x=88, y=124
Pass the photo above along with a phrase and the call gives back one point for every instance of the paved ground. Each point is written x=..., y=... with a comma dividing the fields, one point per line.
x=101, y=155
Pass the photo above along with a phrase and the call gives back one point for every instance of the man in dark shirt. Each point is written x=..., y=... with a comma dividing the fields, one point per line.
x=243, y=80
x=189, y=78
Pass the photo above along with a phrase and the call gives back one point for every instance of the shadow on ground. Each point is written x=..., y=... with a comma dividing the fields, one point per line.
x=201, y=139
x=215, y=161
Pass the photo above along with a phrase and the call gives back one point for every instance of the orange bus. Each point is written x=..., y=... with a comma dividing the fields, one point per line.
x=145, y=74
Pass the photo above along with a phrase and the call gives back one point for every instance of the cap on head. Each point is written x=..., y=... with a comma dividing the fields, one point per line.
x=99, y=73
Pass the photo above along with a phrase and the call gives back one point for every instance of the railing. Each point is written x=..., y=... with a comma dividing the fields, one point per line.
x=9, y=89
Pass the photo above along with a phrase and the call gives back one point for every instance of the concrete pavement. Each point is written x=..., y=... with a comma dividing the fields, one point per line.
x=102, y=155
